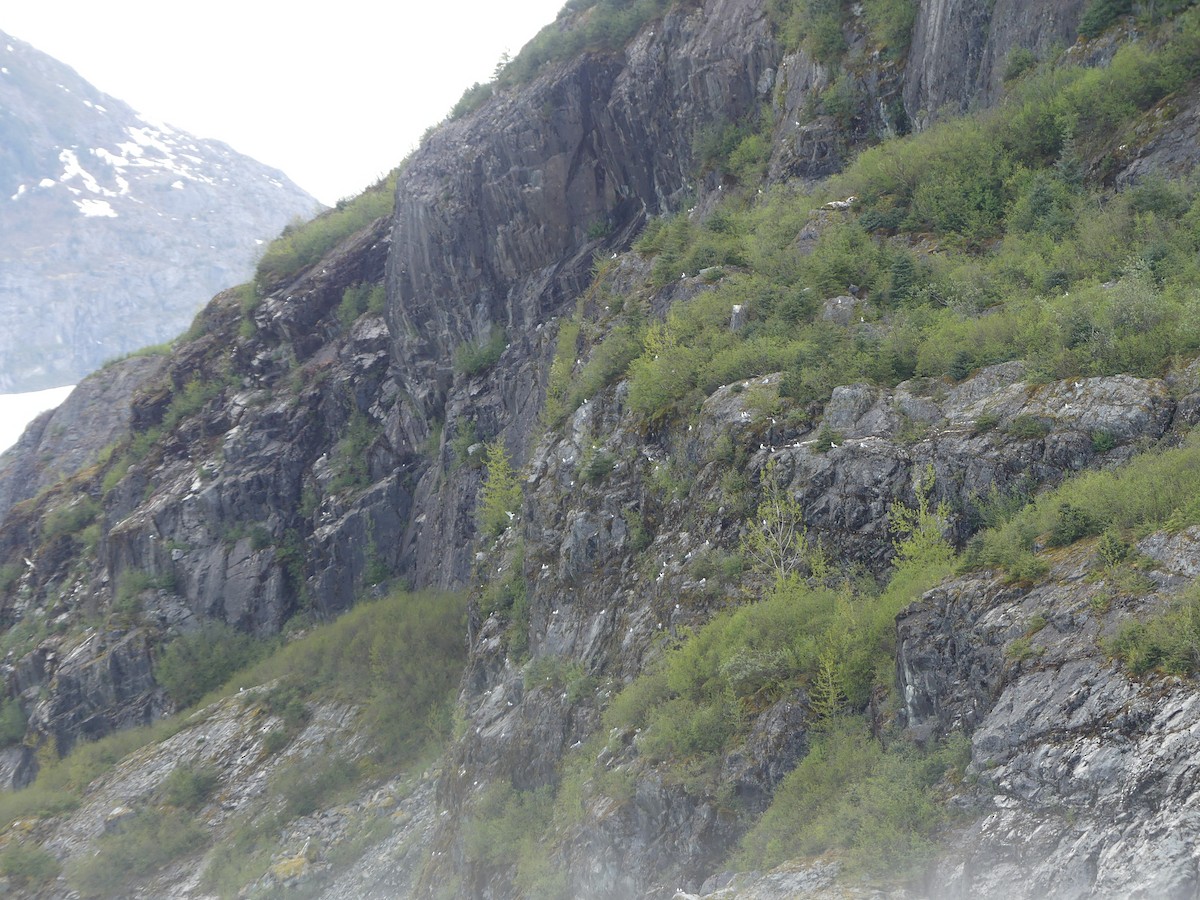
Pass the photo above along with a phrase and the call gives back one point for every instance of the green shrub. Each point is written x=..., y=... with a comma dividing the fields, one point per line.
x=566, y=350
x=359, y=299
x=148, y=841
x=127, y=602
x=188, y=786
x=1028, y=427
x=351, y=456
x=12, y=721
x=1020, y=60
x=472, y=98
x=28, y=865
x=598, y=467
x=1071, y=524
x=608, y=361
x=876, y=806
x=891, y=23
x=305, y=789
x=1168, y=642
x=302, y=244
x=276, y=740
x=399, y=658
x=471, y=359
x=195, y=663
x=465, y=437
x=1154, y=490
x=596, y=26
x=1099, y=14
x=70, y=517
x=10, y=574
x=503, y=821
x=507, y=592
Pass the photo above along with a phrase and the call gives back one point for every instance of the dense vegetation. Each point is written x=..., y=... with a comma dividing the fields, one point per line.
x=303, y=243
x=985, y=239
x=397, y=660
x=1034, y=258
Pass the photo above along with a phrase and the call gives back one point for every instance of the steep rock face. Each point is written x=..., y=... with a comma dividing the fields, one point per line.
x=329, y=450
x=114, y=230
x=589, y=600
x=960, y=49
x=994, y=433
x=1082, y=770
x=498, y=216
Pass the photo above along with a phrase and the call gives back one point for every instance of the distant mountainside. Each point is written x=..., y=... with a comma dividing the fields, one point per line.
x=114, y=229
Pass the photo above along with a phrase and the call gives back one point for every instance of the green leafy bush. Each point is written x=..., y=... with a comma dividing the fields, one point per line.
x=10, y=574
x=505, y=828
x=306, y=789
x=70, y=517
x=597, y=26
x=399, y=658
x=850, y=795
x=472, y=98
x=1168, y=642
x=360, y=299
x=201, y=661
x=1020, y=60
x=1027, y=427
x=891, y=23
x=508, y=591
x=351, y=457
x=28, y=865
x=598, y=467
x=188, y=786
x=12, y=721
x=1155, y=490
x=303, y=243
x=474, y=358
x=150, y=840
x=1099, y=14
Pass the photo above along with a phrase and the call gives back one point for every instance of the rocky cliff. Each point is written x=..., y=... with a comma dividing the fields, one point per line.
x=114, y=228
x=305, y=446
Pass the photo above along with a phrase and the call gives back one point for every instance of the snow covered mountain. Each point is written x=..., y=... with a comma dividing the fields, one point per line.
x=114, y=229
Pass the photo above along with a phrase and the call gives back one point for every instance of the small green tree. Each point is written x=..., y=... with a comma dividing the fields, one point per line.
x=776, y=540
x=922, y=527
x=827, y=691
x=500, y=499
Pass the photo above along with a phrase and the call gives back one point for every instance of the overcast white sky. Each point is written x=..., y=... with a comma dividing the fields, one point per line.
x=334, y=94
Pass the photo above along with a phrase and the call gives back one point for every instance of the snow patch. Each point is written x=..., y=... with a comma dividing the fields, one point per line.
x=47, y=182
x=112, y=159
x=3, y=70
x=20, y=191
x=149, y=138
x=178, y=185
x=96, y=209
x=157, y=138
x=72, y=170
